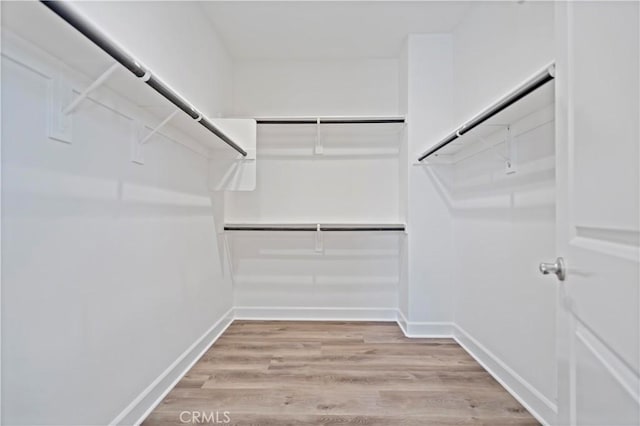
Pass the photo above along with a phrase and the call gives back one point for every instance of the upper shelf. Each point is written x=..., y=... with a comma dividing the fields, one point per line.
x=533, y=95
x=328, y=137
x=331, y=120
x=78, y=43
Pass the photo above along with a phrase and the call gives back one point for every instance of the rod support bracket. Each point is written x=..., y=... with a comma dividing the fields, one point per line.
x=156, y=129
x=61, y=104
x=138, y=141
x=90, y=88
x=59, y=125
x=318, y=149
x=137, y=153
x=319, y=240
x=510, y=164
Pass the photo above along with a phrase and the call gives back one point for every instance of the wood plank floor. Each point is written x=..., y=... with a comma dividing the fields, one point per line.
x=336, y=373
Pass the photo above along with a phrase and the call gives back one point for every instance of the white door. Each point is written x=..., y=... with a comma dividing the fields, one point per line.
x=598, y=212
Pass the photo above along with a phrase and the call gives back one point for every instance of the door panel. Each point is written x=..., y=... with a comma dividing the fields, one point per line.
x=612, y=403
x=605, y=111
x=598, y=200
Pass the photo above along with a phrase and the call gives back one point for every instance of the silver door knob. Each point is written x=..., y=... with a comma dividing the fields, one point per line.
x=557, y=268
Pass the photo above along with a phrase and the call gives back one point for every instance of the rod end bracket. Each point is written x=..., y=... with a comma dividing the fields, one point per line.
x=60, y=125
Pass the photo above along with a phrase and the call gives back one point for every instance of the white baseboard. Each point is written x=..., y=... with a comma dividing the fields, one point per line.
x=544, y=410
x=535, y=402
x=314, y=314
x=401, y=319
x=424, y=329
x=149, y=398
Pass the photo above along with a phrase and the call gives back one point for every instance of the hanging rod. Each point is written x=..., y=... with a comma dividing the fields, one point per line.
x=330, y=120
x=520, y=92
x=314, y=227
x=86, y=28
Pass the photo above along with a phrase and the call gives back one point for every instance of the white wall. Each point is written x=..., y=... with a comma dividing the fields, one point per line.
x=281, y=275
x=496, y=46
x=430, y=250
x=110, y=270
x=315, y=87
x=355, y=179
x=404, y=168
x=505, y=225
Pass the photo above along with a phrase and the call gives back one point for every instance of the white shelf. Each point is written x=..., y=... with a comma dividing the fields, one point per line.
x=337, y=136
x=532, y=96
x=41, y=27
x=332, y=120
x=314, y=227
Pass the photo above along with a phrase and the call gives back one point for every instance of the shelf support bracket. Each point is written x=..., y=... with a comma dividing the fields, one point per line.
x=510, y=162
x=319, y=242
x=93, y=86
x=510, y=157
x=60, y=126
x=138, y=141
x=318, y=149
x=157, y=128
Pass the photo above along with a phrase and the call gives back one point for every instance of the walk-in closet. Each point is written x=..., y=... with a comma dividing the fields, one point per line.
x=320, y=213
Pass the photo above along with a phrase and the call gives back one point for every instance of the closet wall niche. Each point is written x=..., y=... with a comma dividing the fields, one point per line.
x=323, y=227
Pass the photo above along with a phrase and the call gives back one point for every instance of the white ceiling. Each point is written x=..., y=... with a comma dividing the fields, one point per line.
x=327, y=29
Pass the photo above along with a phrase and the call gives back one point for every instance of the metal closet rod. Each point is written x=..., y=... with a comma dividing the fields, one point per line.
x=330, y=121
x=86, y=28
x=537, y=81
x=313, y=228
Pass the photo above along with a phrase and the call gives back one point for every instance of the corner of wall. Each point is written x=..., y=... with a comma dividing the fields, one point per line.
x=424, y=329
x=543, y=409
x=429, y=249
x=149, y=398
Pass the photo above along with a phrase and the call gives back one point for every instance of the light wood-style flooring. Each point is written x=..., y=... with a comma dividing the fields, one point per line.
x=337, y=373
